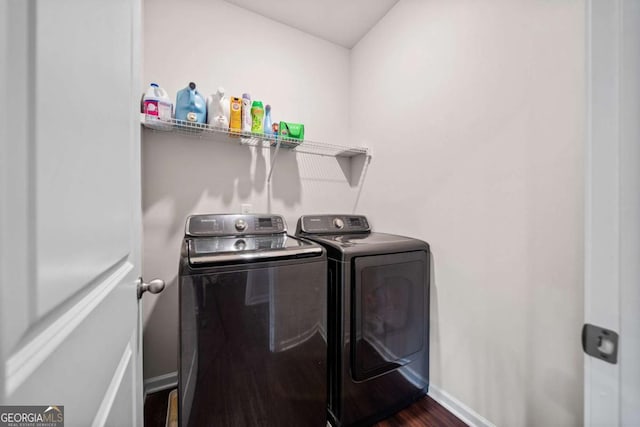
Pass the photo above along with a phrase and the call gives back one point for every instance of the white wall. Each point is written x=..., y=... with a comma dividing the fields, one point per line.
x=475, y=113
x=305, y=79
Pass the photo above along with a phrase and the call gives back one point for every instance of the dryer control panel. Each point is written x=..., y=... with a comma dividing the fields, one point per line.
x=234, y=225
x=333, y=224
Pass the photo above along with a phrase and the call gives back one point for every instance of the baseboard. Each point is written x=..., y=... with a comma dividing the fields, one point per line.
x=162, y=382
x=453, y=405
x=459, y=409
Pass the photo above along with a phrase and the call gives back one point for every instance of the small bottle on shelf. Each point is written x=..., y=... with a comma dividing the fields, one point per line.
x=235, y=124
x=257, y=115
x=246, y=112
x=268, y=130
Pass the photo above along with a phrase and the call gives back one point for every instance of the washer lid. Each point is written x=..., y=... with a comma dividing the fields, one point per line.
x=370, y=243
x=215, y=250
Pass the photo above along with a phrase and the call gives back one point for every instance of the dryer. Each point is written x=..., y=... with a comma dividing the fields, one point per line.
x=253, y=344
x=378, y=317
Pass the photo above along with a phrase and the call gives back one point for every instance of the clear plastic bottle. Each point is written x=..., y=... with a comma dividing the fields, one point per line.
x=268, y=130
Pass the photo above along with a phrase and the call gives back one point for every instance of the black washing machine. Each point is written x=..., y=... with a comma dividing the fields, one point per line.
x=253, y=343
x=378, y=317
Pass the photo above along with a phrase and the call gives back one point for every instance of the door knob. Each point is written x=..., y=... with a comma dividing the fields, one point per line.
x=155, y=286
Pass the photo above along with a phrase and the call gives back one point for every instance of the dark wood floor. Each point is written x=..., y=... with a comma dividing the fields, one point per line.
x=424, y=413
x=155, y=409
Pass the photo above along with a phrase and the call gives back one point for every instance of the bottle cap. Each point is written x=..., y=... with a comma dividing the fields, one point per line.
x=267, y=108
x=192, y=85
x=154, y=85
x=246, y=96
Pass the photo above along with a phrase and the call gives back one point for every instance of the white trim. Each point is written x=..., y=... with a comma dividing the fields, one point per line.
x=602, y=281
x=23, y=362
x=161, y=382
x=629, y=270
x=4, y=193
x=588, y=214
x=457, y=408
x=453, y=405
x=110, y=396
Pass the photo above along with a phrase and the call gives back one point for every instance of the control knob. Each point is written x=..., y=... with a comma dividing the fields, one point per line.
x=241, y=225
x=338, y=223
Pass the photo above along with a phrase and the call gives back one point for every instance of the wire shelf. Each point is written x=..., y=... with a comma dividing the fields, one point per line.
x=204, y=131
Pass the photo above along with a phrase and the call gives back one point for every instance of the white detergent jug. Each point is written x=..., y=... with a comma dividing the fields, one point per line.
x=218, y=117
x=158, y=107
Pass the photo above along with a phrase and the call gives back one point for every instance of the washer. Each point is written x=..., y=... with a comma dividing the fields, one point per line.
x=378, y=317
x=253, y=349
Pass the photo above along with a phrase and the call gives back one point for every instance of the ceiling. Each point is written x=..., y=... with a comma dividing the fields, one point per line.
x=343, y=22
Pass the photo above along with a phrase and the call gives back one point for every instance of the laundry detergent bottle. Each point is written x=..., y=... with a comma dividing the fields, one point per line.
x=157, y=107
x=215, y=108
x=257, y=115
x=190, y=105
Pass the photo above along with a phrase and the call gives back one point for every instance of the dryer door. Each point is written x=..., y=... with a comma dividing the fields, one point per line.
x=389, y=313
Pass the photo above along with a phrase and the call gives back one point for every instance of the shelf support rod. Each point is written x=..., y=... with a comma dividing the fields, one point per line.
x=362, y=177
x=273, y=160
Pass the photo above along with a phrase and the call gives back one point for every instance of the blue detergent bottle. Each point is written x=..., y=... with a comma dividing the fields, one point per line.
x=268, y=130
x=191, y=107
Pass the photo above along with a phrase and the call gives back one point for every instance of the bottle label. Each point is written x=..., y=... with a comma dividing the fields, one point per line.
x=236, y=118
x=151, y=107
x=164, y=111
x=246, y=116
x=257, y=115
x=155, y=109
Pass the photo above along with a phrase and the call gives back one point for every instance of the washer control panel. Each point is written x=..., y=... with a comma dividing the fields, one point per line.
x=333, y=224
x=234, y=225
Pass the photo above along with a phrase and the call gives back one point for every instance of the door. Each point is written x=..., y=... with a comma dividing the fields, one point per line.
x=389, y=314
x=70, y=214
x=612, y=272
